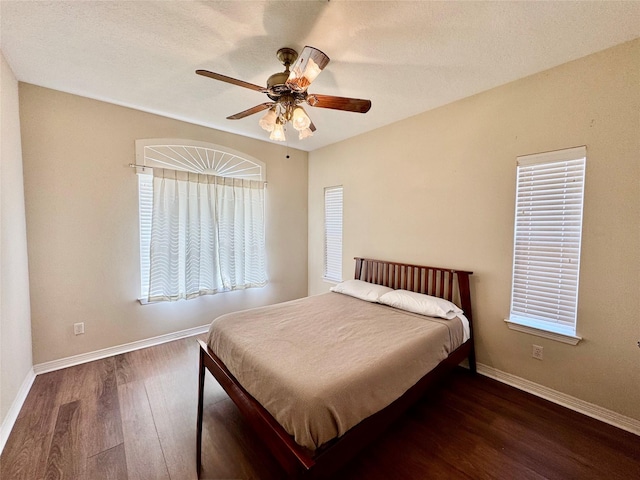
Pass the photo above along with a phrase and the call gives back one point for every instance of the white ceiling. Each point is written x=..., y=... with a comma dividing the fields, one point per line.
x=407, y=57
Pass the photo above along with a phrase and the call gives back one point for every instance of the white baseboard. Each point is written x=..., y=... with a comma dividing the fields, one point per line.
x=12, y=415
x=117, y=350
x=594, y=411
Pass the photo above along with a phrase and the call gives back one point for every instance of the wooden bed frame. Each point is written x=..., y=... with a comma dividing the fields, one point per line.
x=299, y=462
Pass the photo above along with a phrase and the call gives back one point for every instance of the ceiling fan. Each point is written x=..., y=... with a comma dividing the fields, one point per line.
x=288, y=90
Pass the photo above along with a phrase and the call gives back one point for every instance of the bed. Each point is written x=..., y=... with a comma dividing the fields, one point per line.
x=307, y=411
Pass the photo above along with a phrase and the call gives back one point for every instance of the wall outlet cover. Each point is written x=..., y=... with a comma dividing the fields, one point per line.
x=537, y=352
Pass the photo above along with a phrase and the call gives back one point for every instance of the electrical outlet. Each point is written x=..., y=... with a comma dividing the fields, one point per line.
x=78, y=328
x=537, y=352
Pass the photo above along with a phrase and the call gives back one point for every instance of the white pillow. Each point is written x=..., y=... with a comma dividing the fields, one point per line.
x=362, y=290
x=420, y=303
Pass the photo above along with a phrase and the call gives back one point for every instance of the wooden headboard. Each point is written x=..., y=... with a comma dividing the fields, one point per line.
x=452, y=285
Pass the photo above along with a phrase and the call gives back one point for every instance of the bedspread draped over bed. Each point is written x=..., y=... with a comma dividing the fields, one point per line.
x=322, y=364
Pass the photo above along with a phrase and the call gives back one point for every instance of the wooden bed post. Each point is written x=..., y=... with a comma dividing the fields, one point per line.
x=200, y=411
x=358, y=273
x=465, y=300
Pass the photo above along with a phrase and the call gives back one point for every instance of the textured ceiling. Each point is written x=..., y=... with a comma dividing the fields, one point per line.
x=407, y=57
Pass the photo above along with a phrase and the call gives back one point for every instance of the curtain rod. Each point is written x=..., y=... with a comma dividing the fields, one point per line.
x=135, y=165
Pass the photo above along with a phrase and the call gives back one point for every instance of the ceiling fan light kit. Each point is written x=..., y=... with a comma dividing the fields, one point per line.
x=282, y=113
x=288, y=89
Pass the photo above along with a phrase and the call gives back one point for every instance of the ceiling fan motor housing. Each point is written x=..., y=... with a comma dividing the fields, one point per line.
x=276, y=85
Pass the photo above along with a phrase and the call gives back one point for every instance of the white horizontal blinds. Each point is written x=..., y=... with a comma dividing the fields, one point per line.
x=548, y=229
x=333, y=234
x=145, y=209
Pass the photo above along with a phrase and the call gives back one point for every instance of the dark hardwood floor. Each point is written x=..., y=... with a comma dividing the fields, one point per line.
x=133, y=416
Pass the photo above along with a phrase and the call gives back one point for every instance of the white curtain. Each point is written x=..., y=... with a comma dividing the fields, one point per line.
x=207, y=235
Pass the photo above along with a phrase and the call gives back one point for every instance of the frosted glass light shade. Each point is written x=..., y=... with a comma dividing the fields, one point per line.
x=268, y=121
x=278, y=133
x=300, y=119
x=305, y=133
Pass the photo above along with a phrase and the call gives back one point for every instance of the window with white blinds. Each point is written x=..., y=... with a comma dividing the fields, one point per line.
x=333, y=234
x=547, y=238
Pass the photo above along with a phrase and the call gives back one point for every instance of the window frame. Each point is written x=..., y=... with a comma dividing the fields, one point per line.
x=556, y=265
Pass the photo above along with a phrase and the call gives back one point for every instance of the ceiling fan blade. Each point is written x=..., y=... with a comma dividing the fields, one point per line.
x=312, y=127
x=307, y=67
x=251, y=111
x=339, y=103
x=233, y=81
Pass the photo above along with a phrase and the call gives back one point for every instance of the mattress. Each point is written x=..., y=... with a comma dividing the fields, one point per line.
x=322, y=364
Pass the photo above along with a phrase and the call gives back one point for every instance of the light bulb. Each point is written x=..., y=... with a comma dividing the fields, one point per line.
x=268, y=121
x=305, y=133
x=300, y=119
x=278, y=133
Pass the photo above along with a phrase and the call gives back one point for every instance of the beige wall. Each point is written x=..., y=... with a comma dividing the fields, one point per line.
x=439, y=189
x=15, y=324
x=82, y=224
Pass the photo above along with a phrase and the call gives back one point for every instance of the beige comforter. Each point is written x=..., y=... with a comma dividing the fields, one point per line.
x=322, y=364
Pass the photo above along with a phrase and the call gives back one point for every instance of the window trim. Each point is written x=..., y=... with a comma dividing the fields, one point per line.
x=553, y=328
x=543, y=332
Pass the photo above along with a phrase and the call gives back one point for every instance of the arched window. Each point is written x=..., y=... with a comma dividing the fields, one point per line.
x=198, y=157
x=201, y=209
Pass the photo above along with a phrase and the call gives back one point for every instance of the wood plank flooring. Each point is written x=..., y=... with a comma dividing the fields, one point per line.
x=133, y=416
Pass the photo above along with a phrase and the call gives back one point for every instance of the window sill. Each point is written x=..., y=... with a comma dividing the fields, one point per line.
x=329, y=280
x=557, y=336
